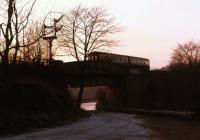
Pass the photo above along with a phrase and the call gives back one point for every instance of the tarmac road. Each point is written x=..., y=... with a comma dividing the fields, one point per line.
x=100, y=126
x=118, y=126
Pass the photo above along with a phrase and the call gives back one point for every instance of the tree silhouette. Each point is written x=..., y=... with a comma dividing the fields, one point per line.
x=86, y=30
x=186, y=57
x=36, y=52
x=15, y=19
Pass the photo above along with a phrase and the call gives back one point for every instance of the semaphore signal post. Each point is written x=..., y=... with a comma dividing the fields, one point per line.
x=49, y=33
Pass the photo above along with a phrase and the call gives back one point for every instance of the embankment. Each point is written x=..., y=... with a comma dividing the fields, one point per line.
x=28, y=103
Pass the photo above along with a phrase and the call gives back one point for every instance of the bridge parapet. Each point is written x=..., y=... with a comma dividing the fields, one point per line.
x=99, y=72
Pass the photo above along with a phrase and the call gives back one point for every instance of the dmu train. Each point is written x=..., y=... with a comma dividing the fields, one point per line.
x=115, y=58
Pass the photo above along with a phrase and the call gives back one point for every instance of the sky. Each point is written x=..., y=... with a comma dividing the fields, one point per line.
x=153, y=28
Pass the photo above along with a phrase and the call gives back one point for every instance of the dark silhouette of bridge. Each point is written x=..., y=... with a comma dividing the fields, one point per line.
x=102, y=69
x=133, y=82
x=98, y=72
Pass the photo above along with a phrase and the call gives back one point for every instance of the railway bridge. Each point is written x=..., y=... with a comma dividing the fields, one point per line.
x=102, y=69
x=109, y=72
x=126, y=75
x=105, y=76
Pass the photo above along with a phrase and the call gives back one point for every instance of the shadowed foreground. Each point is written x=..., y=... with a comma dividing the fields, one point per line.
x=30, y=104
x=117, y=126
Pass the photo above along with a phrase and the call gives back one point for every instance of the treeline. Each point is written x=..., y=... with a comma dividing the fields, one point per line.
x=21, y=36
x=77, y=32
x=185, y=58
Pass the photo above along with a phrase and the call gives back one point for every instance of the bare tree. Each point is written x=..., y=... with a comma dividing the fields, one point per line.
x=33, y=52
x=186, y=56
x=6, y=28
x=86, y=30
x=1, y=48
x=20, y=21
x=16, y=18
x=18, y=24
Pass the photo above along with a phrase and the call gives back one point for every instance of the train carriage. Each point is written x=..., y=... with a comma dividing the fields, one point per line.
x=121, y=59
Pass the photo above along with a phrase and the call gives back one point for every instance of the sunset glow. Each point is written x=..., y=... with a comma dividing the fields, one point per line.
x=152, y=27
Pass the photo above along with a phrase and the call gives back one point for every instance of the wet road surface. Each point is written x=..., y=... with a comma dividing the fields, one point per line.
x=118, y=126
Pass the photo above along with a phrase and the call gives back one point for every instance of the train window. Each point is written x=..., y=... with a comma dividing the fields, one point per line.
x=118, y=58
x=133, y=60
